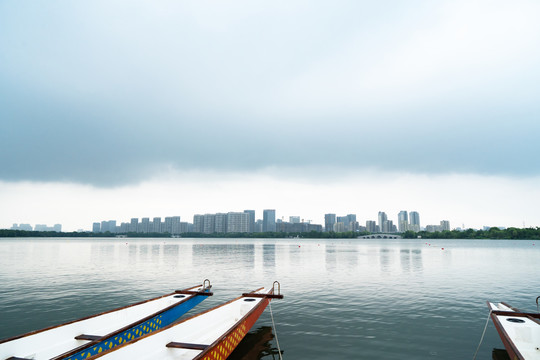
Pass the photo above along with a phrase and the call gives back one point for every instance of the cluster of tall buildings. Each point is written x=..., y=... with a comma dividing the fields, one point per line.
x=406, y=221
x=38, y=227
x=245, y=222
x=171, y=225
x=231, y=222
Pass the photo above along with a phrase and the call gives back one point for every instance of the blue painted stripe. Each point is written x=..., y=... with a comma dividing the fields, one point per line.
x=150, y=325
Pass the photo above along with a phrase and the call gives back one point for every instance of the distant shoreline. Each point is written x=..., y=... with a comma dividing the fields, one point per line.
x=493, y=233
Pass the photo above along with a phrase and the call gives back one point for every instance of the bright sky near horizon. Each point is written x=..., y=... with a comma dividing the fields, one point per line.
x=118, y=109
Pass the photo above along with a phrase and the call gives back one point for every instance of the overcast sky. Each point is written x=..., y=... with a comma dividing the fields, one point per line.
x=120, y=109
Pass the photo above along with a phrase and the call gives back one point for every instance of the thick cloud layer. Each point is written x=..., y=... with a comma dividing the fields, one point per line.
x=112, y=92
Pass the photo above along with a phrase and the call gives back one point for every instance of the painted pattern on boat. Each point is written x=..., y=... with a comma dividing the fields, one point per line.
x=147, y=327
x=210, y=335
x=223, y=349
x=101, y=331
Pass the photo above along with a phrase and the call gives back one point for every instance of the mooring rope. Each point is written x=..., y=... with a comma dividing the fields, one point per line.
x=275, y=332
x=483, y=333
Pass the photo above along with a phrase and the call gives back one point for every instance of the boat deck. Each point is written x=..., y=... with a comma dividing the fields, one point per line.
x=51, y=342
x=188, y=339
x=520, y=332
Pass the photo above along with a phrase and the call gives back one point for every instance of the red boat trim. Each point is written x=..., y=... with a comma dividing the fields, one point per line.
x=224, y=346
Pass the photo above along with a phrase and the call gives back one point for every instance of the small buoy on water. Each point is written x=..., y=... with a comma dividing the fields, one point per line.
x=442, y=248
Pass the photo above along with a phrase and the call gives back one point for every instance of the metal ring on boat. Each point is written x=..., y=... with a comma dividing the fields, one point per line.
x=250, y=299
x=514, y=320
x=278, y=287
x=179, y=296
x=204, y=284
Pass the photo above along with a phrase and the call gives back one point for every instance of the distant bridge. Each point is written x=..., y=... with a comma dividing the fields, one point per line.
x=380, y=236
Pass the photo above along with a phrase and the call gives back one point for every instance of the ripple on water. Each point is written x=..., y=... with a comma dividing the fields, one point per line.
x=343, y=299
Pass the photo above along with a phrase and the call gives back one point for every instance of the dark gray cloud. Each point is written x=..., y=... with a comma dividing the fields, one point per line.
x=106, y=95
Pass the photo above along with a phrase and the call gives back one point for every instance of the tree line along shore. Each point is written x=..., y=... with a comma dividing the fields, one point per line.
x=492, y=233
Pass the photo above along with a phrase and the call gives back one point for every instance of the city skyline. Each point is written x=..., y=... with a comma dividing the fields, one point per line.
x=247, y=222
x=319, y=218
x=120, y=111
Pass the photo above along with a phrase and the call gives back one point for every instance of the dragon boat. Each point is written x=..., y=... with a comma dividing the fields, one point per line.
x=93, y=334
x=210, y=335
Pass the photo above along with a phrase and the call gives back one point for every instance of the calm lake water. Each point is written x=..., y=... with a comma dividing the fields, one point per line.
x=344, y=299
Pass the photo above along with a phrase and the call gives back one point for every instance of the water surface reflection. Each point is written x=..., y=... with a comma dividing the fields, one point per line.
x=382, y=299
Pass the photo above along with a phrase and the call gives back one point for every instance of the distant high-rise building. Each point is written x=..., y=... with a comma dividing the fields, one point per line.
x=371, y=226
x=198, y=223
x=329, y=221
x=220, y=223
x=414, y=221
x=112, y=226
x=343, y=220
x=382, y=219
x=251, y=220
x=445, y=225
x=145, y=225
x=108, y=226
x=269, y=220
x=167, y=225
x=124, y=227
x=156, y=225
x=339, y=227
x=96, y=227
x=403, y=221
x=58, y=227
x=258, y=226
x=238, y=222
x=176, y=227
x=25, y=227
x=294, y=219
x=209, y=223
x=133, y=225
x=348, y=221
x=184, y=227
x=390, y=227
